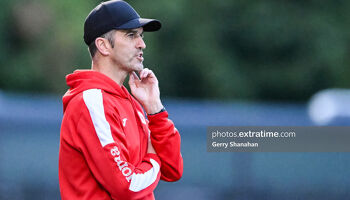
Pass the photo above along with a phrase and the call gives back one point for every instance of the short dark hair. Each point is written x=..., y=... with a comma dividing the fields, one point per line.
x=109, y=36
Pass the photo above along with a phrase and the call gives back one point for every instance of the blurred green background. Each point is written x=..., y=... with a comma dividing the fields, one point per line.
x=249, y=50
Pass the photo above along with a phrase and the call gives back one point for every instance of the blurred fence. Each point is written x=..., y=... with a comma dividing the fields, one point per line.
x=29, y=143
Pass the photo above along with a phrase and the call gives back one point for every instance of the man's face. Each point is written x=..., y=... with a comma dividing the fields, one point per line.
x=127, y=52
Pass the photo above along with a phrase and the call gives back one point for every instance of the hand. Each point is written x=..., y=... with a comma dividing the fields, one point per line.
x=146, y=90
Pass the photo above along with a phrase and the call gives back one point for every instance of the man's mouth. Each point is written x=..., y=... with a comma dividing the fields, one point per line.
x=140, y=57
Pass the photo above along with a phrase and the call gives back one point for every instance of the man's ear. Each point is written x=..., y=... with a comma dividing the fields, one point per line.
x=103, y=46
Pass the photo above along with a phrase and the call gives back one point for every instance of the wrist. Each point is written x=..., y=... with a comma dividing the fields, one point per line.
x=153, y=108
x=162, y=110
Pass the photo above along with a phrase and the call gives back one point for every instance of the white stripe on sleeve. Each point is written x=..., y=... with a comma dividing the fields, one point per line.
x=94, y=102
x=142, y=181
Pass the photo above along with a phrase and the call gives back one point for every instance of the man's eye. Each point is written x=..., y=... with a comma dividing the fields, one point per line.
x=134, y=35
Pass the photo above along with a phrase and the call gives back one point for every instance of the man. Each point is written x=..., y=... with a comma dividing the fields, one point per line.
x=108, y=149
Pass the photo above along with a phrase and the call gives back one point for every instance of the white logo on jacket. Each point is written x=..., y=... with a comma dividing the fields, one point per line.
x=124, y=121
x=143, y=120
x=123, y=166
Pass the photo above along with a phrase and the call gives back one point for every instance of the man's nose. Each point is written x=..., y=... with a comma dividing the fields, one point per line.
x=140, y=43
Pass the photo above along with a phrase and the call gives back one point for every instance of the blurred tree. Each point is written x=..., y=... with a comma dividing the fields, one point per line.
x=257, y=50
x=41, y=42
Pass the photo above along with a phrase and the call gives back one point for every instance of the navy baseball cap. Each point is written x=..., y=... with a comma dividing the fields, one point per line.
x=115, y=14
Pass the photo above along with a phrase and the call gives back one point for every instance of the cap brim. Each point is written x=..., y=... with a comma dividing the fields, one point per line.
x=149, y=25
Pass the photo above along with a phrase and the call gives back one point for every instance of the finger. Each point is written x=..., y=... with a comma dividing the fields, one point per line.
x=143, y=73
x=135, y=76
x=151, y=74
x=147, y=73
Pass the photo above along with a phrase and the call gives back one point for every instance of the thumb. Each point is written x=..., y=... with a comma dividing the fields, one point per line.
x=133, y=80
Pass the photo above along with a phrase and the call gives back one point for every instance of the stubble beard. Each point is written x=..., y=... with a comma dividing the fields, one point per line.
x=130, y=66
x=138, y=66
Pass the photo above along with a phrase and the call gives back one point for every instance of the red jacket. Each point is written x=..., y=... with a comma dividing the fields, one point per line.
x=103, y=143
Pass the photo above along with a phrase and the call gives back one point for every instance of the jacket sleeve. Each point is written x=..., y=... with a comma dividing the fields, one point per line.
x=167, y=143
x=107, y=156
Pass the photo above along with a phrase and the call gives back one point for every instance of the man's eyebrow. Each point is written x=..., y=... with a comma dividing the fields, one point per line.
x=131, y=31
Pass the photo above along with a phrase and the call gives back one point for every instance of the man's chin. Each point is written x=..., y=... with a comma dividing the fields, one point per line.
x=134, y=67
x=138, y=67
